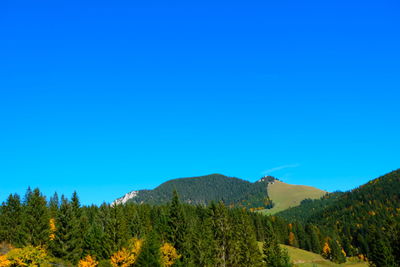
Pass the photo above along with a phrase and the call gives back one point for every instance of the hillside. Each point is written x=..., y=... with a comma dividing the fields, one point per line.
x=366, y=219
x=305, y=258
x=267, y=194
x=285, y=195
x=203, y=190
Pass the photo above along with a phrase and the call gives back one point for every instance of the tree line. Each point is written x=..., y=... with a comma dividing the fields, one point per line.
x=366, y=220
x=62, y=231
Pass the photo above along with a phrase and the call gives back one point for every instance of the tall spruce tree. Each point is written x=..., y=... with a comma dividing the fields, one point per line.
x=150, y=255
x=274, y=255
x=177, y=227
x=116, y=228
x=203, y=243
x=246, y=252
x=315, y=243
x=67, y=243
x=222, y=231
x=54, y=204
x=36, y=218
x=11, y=228
x=337, y=254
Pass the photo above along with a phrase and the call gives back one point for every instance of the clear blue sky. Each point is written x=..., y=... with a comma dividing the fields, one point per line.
x=104, y=97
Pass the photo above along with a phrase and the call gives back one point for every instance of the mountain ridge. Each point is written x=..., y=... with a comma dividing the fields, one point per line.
x=202, y=190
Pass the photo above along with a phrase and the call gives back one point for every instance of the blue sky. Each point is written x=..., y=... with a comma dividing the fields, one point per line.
x=104, y=97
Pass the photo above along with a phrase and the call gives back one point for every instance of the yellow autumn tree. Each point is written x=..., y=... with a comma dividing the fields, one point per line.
x=88, y=261
x=28, y=256
x=4, y=262
x=127, y=256
x=52, y=226
x=292, y=239
x=168, y=254
x=326, y=250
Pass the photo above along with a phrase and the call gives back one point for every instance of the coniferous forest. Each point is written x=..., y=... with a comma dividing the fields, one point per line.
x=363, y=224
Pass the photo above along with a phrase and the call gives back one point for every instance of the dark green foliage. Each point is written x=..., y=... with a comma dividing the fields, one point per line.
x=314, y=243
x=150, y=255
x=203, y=236
x=336, y=254
x=222, y=231
x=36, y=219
x=247, y=251
x=202, y=241
x=274, y=255
x=381, y=251
x=11, y=227
x=205, y=189
x=54, y=204
x=363, y=221
x=68, y=241
x=176, y=224
x=116, y=228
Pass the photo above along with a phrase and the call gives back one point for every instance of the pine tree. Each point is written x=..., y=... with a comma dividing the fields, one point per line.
x=203, y=243
x=244, y=238
x=337, y=253
x=116, y=228
x=381, y=253
x=177, y=227
x=315, y=244
x=36, y=218
x=274, y=255
x=93, y=242
x=11, y=228
x=67, y=243
x=222, y=233
x=54, y=204
x=150, y=255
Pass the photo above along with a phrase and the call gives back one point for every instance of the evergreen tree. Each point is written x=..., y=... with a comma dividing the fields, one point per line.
x=315, y=243
x=337, y=253
x=67, y=243
x=246, y=252
x=203, y=243
x=36, y=218
x=274, y=255
x=177, y=227
x=222, y=233
x=150, y=255
x=11, y=228
x=116, y=228
x=94, y=241
x=54, y=204
x=381, y=254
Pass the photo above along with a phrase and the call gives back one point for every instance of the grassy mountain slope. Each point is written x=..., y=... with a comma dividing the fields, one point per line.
x=286, y=195
x=204, y=189
x=380, y=196
x=366, y=220
x=305, y=258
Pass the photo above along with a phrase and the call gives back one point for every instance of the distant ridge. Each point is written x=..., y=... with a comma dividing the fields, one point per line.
x=366, y=219
x=203, y=190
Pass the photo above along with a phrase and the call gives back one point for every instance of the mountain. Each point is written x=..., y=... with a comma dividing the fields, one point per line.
x=285, y=195
x=232, y=191
x=203, y=190
x=366, y=219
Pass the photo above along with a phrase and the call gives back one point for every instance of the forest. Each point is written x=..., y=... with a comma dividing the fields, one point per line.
x=35, y=232
x=210, y=188
x=362, y=224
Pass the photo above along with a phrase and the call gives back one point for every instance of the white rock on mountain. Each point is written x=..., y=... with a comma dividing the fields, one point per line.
x=125, y=198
